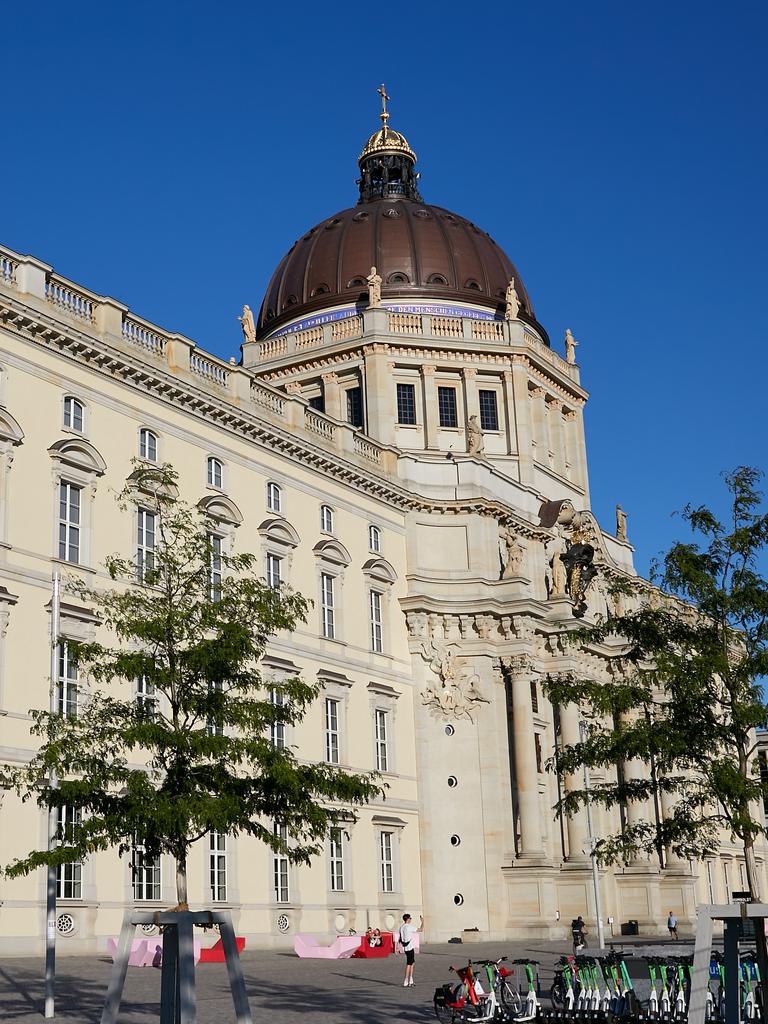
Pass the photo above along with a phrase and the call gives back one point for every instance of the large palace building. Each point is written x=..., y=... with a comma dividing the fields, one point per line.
x=404, y=446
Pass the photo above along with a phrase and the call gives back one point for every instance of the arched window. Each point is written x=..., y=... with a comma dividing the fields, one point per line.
x=74, y=414
x=147, y=445
x=398, y=278
x=374, y=538
x=472, y=285
x=215, y=473
x=322, y=289
x=436, y=279
x=326, y=519
x=274, y=497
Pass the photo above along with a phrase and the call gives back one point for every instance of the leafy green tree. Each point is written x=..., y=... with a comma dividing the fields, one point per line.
x=685, y=696
x=193, y=754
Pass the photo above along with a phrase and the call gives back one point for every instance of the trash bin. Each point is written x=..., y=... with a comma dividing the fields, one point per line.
x=630, y=928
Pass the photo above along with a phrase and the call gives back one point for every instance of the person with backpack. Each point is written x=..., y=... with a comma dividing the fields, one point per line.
x=407, y=932
x=578, y=931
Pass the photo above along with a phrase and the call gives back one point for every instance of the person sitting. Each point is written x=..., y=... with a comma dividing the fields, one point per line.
x=369, y=936
x=376, y=940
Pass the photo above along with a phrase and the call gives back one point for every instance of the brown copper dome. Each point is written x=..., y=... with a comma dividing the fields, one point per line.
x=423, y=253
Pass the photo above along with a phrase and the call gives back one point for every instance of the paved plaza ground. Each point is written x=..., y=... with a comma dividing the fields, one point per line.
x=282, y=988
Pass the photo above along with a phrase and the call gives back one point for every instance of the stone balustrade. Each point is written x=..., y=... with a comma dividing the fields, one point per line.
x=143, y=337
x=8, y=269
x=69, y=300
x=209, y=368
x=112, y=324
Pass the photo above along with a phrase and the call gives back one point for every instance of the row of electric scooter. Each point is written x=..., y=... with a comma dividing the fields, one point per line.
x=594, y=989
x=590, y=988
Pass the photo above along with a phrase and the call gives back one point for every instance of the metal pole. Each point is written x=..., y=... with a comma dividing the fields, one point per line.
x=53, y=823
x=592, y=857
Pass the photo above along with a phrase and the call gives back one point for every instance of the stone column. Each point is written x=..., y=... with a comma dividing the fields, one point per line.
x=471, y=399
x=516, y=382
x=578, y=833
x=576, y=448
x=379, y=393
x=672, y=860
x=526, y=776
x=540, y=434
x=429, y=397
x=556, y=434
x=332, y=395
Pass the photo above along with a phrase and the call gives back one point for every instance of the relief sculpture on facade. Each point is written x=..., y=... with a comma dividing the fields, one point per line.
x=455, y=693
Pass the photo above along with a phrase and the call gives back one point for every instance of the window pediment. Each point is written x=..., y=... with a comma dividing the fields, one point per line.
x=279, y=531
x=221, y=508
x=10, y=431
x=381, y=570
x=333, y=552
x=147, y=480
x=78, y=453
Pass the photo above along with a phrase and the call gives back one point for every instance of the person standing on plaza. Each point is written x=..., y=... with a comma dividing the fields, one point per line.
x=672, y=925
x=407, y=932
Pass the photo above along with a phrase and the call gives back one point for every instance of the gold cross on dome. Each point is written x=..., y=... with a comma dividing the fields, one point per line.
x=383, y=93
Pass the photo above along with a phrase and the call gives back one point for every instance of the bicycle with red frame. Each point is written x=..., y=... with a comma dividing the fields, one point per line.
x=469, y=1000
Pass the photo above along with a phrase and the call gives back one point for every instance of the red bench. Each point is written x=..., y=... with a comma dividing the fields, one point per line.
x=215, y=954
x=368, y=952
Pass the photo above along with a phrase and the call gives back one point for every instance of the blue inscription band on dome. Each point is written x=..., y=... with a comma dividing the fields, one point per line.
x=343, y=314
x=468, y=314
x=317, y=321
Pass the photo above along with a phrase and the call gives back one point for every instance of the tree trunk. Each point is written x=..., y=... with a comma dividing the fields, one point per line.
x=181, y=882
x=753, y=872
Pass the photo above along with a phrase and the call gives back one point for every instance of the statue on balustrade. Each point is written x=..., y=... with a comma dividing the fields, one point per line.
x=513, y=302
x=374, y=289
x=570, y=347
x=246, y=322
x=621, y=523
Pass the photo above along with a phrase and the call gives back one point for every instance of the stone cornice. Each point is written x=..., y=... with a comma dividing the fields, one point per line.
x=154, y=379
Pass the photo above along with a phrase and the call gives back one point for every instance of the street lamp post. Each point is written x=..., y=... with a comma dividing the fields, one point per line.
x=592, y=857
x=53, y=821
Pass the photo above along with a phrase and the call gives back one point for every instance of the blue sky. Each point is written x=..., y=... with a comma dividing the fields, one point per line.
x=168, y=154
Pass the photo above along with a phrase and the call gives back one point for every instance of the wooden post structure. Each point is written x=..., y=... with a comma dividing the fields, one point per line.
x=178, y=1002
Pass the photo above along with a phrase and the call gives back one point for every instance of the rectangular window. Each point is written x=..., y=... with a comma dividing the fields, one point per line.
x=317, y=402
x=489, y=412
x=216, y=566
x=537, y=749
x=214, y=725
x=273, y=571
x=336, y=851
x=67, y=688
x=446, y=406
x=69, y=877
x=727, y=881
x=382, y=741
x=145, y=543
x=216, y=575
x=406, y=403
x=280, y=866
x=69, y=522
x=217, y=861
x=146, y=875
x=331, y=730
x=375, y=613
x=277, y=729
x=146, y=697
x=534, y=697
x=327, y=607
x=355, y=406
x=387, y=862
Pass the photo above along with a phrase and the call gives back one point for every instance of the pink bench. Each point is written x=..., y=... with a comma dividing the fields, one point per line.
x=306, y=946
x=146, y=952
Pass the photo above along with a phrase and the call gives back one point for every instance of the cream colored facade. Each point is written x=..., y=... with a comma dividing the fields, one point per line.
x=468, y=631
